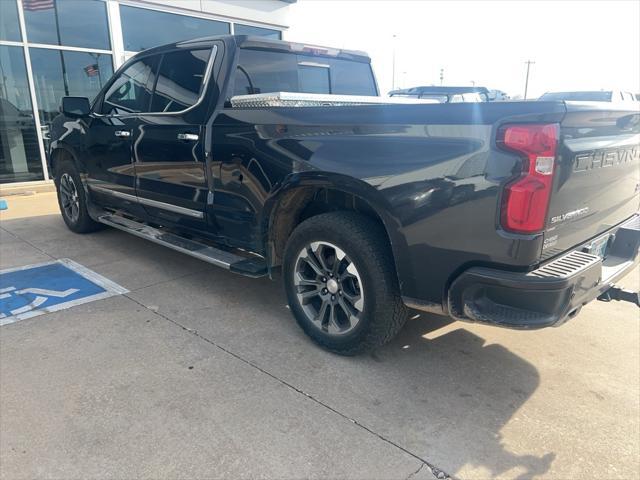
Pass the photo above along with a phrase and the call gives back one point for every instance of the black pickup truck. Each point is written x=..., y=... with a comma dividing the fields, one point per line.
x=511, y=213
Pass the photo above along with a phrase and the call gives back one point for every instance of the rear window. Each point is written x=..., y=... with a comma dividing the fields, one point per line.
x=578, y=96
x=263, y=72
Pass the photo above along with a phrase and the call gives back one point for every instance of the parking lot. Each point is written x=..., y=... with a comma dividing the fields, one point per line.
x=197, y=372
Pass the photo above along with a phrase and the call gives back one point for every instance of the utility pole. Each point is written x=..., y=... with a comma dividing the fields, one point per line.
x=526, y=82
x=441, y=76
x=393, y=74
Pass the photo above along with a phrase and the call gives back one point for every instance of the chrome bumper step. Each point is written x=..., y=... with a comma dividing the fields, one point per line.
x=248, y=265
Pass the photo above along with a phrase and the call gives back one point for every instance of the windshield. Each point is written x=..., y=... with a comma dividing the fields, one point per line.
x=578, y=96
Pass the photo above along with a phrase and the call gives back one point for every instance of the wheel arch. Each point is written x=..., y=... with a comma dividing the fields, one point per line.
x=61, y=152
x=304, y=195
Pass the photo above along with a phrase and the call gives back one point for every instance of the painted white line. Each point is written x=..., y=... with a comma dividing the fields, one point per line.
x=32, y=306
x=8, y=289
x=94, y=277
x=27, y=267
x=48, y=293
x=4, y=295
x=111, y=289
x=54, y=308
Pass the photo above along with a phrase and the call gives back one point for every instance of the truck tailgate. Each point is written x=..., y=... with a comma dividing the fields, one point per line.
x=597, y=177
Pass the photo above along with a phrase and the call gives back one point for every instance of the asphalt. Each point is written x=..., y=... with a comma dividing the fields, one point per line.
x=200, y=373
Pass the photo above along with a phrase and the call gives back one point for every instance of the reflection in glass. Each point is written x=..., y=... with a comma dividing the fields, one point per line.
x=19, y=155
x=142, y=28
x=9, y=26
x=314, y=79
x=131, y=90
x=179, y=80
x=74, y=23
x=240, y=29
x=58, y=73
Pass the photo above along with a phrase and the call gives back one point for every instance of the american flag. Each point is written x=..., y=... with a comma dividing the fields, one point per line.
x=92, y=70
x=35, y=5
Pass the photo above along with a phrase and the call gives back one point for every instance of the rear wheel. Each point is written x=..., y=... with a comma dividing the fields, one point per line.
x=341, y=283
x=72, y=199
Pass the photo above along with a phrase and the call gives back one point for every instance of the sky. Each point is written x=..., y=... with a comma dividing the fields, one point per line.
x=576, y=45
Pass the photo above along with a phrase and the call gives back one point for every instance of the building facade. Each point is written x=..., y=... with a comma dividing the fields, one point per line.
x=53, y=48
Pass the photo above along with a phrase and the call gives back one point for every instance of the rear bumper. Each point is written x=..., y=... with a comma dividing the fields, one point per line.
x=549, y=295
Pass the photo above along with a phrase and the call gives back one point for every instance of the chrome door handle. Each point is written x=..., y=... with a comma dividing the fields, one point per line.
x=122, y=133
x=192, y=137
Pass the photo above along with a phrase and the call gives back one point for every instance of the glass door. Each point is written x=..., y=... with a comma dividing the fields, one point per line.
x=19, y=151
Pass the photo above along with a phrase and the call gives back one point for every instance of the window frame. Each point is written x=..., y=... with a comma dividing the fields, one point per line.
x=97, y=105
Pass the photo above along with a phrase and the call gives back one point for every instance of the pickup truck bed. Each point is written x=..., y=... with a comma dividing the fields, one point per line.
x=511, y=213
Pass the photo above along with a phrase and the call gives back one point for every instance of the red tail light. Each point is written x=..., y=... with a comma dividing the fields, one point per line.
x=526, y=199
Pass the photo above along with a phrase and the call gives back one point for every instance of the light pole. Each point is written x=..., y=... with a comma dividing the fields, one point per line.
x=526, y=82
x=441, y=76
x=393, y=68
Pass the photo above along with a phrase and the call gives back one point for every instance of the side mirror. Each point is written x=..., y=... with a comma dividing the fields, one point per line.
x=75, y=106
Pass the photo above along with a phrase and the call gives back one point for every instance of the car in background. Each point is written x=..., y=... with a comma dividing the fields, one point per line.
x=591, y=96
x=498, y=96
x=445, y=94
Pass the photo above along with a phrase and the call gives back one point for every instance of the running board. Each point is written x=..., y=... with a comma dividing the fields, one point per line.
x=250, y=266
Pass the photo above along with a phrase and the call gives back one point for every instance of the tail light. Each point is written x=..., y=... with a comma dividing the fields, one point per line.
x=526, y=199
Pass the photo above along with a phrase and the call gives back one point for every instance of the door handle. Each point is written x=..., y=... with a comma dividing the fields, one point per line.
x=191, y=137
x=122, y=133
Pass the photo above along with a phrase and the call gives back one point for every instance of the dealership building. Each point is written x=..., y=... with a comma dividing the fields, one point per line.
x=53, y=48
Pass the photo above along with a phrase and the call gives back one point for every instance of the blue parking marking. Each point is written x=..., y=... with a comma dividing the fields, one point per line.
x=47, y=287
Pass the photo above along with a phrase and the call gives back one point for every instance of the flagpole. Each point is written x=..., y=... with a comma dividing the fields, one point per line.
x=64, y=68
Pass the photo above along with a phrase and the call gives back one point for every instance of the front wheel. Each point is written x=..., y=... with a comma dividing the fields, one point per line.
x=341, y=284
x=72, y=200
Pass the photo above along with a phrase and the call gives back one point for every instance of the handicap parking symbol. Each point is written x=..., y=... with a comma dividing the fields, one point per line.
x=48, y=287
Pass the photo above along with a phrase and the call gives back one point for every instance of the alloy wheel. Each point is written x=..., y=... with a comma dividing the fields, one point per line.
x=329, y=288
x=69, y=197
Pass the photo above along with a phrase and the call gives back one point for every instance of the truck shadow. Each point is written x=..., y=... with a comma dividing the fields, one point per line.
x=477, y=389
x=437, y=390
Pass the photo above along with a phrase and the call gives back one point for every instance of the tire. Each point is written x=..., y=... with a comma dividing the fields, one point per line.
x=362, y=309
x=72, y=199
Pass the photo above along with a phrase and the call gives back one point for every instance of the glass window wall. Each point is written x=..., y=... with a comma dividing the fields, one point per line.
x=143, y=28
x=57, y=73
x=72, y=23
x=19, y=152
x=9, y=26
x=240, y=29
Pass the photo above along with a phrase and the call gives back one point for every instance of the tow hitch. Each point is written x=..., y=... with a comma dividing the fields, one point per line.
x=617, y=293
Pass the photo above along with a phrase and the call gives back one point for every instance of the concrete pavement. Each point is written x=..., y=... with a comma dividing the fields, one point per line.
x=201, y=373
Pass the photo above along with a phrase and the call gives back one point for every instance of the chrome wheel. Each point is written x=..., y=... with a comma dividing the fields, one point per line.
x=69, y=197
x=329, y=288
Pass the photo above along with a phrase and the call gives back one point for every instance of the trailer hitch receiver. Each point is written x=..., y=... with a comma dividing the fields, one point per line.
x=617, y=293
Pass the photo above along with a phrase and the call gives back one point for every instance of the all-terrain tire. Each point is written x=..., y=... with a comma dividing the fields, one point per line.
x=364, y=242
x=70, y=191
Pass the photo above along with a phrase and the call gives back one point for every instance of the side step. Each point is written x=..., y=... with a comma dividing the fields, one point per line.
x=250, y=266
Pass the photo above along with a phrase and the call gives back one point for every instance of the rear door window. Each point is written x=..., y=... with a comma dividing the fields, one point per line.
x=130, y=92
x=180, y=80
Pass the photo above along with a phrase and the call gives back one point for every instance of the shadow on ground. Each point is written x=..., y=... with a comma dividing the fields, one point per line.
x=438, y=390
